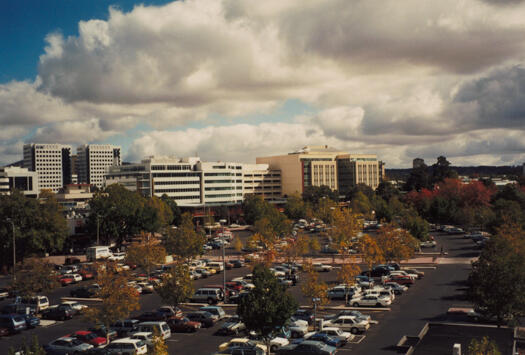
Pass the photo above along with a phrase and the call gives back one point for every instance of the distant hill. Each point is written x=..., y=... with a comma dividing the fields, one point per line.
x=488, y=171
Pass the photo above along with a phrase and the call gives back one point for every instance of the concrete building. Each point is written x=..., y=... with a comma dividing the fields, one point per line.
x=52, y=162
x=21, y=179
x=322, y=165
x=193, y=183
x=93, y=160
x=75, y=196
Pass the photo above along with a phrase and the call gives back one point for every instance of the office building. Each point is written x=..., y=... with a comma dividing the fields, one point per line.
x=193, y=183
x=21, y=179
x=322, y=165
x=93, y=160
x=52, y=163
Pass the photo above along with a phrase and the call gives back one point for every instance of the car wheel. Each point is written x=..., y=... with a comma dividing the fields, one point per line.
x=354, y=330
x=273, y=348
x=378, y=304
x=355, y=304
x=210, y=301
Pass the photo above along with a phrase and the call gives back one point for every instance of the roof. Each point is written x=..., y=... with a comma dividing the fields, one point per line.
x=439, y=338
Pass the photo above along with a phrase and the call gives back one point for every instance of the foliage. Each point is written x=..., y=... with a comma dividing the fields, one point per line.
x=441, y=170
x=346, y=275
x=295, y=207
x=416, y=226
x=324, y=208
x=176, y=286
x=35, y=276
x=118, y=299
x=146, y=253
x=159, y=346
x=371, y=252
x=185, y=242
x=313, y=194
x=385, y=190
x=268, y=306
x=163, y=211
x=396, y=244
x=345, y=226
x=175, y=210
x=40, y=226
x=360, y=188
x=237, y=244
x=485, y=346
x=313, y=245
x=28, y=349
x=312, y=287
x=275, y=224
x=497, y=279
x=418, y=179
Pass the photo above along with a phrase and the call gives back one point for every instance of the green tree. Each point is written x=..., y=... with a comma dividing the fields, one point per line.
x=35, y=276
x=185, y=242
x=175, y=210
x=416, y=226
x=295, y=207
x=313, y=194
x=118, y=299
x=254, y=208
x=268, y=306
x=485, y=346
x=497, y=279
x=28, y=349
x=176, y=286
x=361, y=204
x=385, y=190
x=441, y=170
x=163, y=211
x=418, y=179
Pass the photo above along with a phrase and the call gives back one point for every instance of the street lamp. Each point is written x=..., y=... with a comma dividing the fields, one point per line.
x=14, y=248
x=223, y=264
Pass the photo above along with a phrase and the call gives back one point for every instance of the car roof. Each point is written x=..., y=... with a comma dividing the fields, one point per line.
x=125, y=340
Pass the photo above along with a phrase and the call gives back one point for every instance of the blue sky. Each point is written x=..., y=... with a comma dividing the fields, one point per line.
x=237, y=79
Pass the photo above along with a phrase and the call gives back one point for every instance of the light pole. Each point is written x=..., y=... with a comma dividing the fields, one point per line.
x=14, y=249
x=223, y=264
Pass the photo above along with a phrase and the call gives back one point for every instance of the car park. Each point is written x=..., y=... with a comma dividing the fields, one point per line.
x=66, y=346
x=152, y=316
x=307, y=347
x=58, y=313
x=350, y=324
x=215, y=310
x=319, y=267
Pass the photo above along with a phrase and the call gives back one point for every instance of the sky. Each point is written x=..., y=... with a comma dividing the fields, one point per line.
x=231, y=80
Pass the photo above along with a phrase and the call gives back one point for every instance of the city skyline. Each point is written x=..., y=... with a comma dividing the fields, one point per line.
x=233, y=80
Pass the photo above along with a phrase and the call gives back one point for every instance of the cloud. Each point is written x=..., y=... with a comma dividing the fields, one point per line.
x=73, y=132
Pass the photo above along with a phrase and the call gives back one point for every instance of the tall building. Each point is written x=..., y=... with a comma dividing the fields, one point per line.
x=93, y=162
x=52, y=162
x=21, y=179
x=322, y=165
x=191, y=182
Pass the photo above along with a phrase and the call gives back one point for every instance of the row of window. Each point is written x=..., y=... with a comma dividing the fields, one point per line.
x=185, y=182
x=178, y=190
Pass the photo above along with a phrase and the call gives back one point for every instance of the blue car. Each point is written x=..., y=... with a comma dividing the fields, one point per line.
x=328, y=340
x=31, y=320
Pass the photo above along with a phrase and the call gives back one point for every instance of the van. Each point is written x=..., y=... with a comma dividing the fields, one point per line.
x=208, y=295
x=98, y=252
x=216, y=265
x=160, y=328
x=38, y=303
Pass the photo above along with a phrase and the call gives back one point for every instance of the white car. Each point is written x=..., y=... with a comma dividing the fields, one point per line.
x=428, y=244
x=298, y=328
x=380, y=291
x=126, y=344
x=76, y=277
x=146, y=287
x=117, y=256
x=371, y=301
x=336, y=333
x=404, y=273
x=75, y=305
x=146, y=337
x=322, y=267
x=349, y=323
x=277, y=273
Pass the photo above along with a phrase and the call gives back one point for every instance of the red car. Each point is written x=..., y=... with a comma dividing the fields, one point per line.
x=400, y=279
x=86, y=274
x=88, y=337
x=183, y=324
x=234, y=285
x=66, y=280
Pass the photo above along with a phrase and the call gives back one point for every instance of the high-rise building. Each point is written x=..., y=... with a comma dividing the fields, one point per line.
x=191, y=182
x=52, y=162
x=21, y=179
x=93, y=162
x=322, y=165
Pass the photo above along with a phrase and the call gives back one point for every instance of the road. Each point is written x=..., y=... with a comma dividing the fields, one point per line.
x=427, y=300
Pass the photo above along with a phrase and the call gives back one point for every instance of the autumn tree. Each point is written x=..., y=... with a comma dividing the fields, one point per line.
x=314, y=245
x=237, y=244
x=117, y=298
x=485, y=346
x=34, y=277
x=395, y=243
x=268, y=306
x=370, y=251
x=146, y=253
x=312, y=287
x=176, y=286
x=345, y=226
x=184, y=242
x=163, y=210
x=324, y=208
x=159, y=346
x=346, y=275
x=302, y=245
x=175, y=210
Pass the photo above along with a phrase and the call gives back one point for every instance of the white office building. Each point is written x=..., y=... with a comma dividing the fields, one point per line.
x=21, y=179
x=258, y=179
x=93, y=162
x=222, y=183
x=52, y=163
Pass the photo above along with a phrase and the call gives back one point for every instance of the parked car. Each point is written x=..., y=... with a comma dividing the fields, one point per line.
x=205, y=318
x=305, y=315
x=58, y=313
x=39, y=303
x=307, y=347
x=170, y=311
x=66, y=345
x=101, y=330
x=322, y=267
x=232, y=326
x=125, y=327
x=242, y=343
x=83, y=292
x=215, y=310
x=65, y=280
x=208, y=295
x=349, y=312
x=420, y=274
x=128, y=346
x=162, y=328
x=400, y=279
x=4, y=293
x=325, y=338
x=88, y=337
x=237, y=263
x=371, y=301
x=336, y=332
x=146, y=337
x=395, y=287
x=428, y=244
x=350, y=324
x=76, y=306
x=152, y=316
x=341, y=291
x=183, y=324
x=14, y=323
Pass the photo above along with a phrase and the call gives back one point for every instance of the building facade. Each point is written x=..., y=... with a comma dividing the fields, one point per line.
x=322, y=165
x=93, y=161
x=192, y=183
x=21, y=179
x=52, y=163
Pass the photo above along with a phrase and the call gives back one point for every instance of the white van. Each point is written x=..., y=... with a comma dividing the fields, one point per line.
x=98, y=252
x=38, y=303
x=161, y=328
x=217, y=266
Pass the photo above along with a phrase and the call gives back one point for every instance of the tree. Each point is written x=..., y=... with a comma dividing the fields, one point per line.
x=146, y=253
x=385, y=190
x=346, y=275
x=295, y=207
x=418, y=179
x=176, y=286
x=163, y=211
x=395, y=243
x=302, y=245
x=497, y=279
x=254, y=208
x=416, y=226
x=485, y=346
x=312, y=287
x=34, y=277
x=237, y=244
x=442, y=170
x=118, y=299
x=346, y=225
x=28, y=349
x=313, y=245
x=324, y=208
x=267, y=308
x=371, y=252
x=313, y=194
x=159, y=346
x=175, y=210
x=185, y=242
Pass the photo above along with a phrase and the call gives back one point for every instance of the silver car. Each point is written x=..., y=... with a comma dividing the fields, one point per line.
x=66, y=345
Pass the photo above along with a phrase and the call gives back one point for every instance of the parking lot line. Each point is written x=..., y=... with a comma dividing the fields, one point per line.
x=357, y=339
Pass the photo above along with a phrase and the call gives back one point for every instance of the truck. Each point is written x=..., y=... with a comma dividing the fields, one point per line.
x=98, y=252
